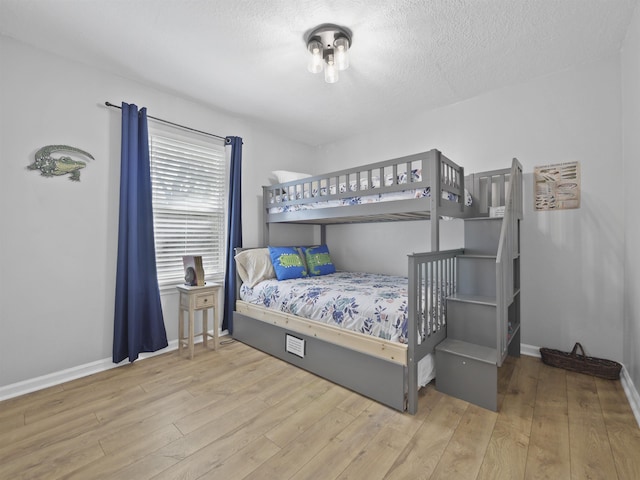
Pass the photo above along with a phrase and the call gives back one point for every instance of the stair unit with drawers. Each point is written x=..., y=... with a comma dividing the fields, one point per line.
x=483, y=315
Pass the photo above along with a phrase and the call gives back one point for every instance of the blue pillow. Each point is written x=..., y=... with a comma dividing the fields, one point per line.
x=287, y=263
x=319, y=261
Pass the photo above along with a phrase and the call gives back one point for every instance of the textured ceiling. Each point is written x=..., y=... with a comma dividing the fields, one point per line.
x=248, y=57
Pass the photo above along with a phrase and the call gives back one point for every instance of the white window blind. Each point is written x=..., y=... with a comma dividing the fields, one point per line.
x=189, y=185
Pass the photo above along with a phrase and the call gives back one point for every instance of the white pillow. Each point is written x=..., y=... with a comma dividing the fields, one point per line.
x=285, y=176
x=254, y=266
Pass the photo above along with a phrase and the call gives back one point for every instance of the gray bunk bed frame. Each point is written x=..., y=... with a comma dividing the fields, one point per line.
x=372, y=367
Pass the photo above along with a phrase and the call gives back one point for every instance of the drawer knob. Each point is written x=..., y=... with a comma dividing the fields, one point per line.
x=205, y=300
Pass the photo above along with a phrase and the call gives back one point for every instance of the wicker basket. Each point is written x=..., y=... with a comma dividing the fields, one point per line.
x=580, y=363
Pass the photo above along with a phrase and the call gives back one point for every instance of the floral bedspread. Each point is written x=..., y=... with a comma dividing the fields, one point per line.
x=362, y=302
x=370, y=197
x=380, y=197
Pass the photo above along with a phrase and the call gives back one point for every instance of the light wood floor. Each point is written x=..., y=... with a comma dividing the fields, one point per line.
x=238, y=413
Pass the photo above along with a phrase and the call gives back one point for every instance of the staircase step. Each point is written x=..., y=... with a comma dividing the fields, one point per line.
x=468, y=371
x=479, y=299
x=472, y=318
x=477, y=274
x=471, y=351
x=482, y=235
x=483, y=217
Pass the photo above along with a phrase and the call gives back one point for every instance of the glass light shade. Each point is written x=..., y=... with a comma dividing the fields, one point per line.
x=315, y=57
x=341, y=45
x=331, y=69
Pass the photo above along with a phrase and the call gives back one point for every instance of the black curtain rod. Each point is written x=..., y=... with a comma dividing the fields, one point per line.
x=109, y=104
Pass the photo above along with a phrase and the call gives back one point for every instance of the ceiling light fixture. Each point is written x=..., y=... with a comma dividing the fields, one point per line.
x=328, y=46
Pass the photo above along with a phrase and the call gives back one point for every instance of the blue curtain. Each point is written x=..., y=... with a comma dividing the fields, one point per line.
x=234, y=229
x=138, y=321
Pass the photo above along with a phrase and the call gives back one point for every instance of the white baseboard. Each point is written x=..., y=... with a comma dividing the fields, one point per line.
x=56, y=378
x=631, y=392
x=629, y=388
x=529, y=350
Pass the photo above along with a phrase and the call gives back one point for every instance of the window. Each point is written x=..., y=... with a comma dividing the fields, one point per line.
x=188, y=178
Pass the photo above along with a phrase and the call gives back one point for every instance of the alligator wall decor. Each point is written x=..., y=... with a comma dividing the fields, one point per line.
x=63, y=165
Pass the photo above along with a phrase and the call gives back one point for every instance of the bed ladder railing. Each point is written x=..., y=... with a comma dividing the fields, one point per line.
x=508, y=264
x=432, y=278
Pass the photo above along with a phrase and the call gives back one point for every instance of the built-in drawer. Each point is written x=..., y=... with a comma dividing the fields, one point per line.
x=204, y=301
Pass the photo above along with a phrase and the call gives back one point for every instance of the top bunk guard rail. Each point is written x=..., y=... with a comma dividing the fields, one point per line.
x=508, y=250
x=436, y=172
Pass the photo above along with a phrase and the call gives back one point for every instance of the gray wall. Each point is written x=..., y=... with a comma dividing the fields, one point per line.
x=572, y=261
x=58, y=239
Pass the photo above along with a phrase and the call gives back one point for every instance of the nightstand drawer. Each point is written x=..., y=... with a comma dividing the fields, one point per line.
x=204, y=301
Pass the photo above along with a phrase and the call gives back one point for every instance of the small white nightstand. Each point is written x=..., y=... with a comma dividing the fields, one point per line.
x=193, y=299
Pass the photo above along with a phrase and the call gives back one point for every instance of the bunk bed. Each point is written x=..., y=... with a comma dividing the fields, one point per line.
x=421, y=186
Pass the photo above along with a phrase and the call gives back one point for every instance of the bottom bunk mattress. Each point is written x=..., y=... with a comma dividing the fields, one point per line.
x=369, y=304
